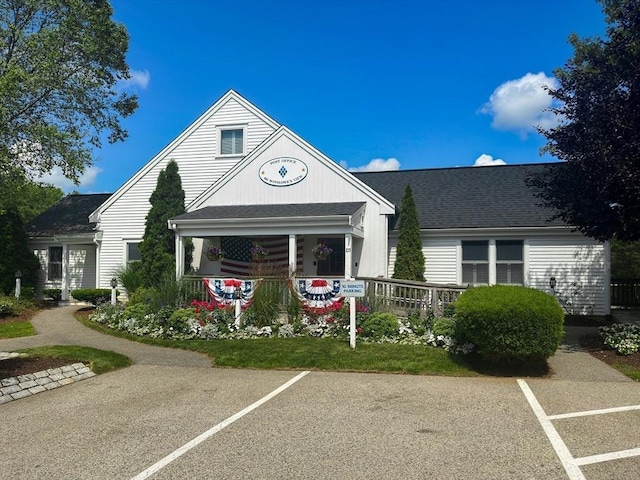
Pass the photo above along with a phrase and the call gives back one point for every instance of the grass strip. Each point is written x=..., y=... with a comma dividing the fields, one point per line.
x=100, y=361
x=303, y=353
x=16, y=329
x=631, y=372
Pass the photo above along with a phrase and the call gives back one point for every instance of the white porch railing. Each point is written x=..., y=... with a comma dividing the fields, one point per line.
x=395, y=295
x=403, y=295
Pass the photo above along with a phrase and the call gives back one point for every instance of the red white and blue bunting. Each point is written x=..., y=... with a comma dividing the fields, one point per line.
x=223, y=290
x=317, y=292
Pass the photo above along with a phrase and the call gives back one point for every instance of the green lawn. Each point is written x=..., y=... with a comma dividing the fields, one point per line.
x=100, y=361
x=314, y=354
x=16, y=329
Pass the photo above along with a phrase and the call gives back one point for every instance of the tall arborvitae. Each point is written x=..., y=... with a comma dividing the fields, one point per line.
x=14, y=253
x=409, y=263
x=157, y=250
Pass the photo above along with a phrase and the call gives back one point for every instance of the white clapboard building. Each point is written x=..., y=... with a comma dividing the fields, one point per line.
x=248, y=179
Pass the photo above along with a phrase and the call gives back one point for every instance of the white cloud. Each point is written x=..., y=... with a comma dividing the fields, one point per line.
x=375, y=165
x=485, y=160
x=139, y=78
x=522, y=104
x=56, y=178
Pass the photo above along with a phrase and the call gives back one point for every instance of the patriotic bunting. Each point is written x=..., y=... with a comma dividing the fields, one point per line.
x=317, y=292
x=222, y=290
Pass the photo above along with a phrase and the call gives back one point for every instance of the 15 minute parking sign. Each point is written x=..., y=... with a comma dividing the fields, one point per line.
x=351, y=288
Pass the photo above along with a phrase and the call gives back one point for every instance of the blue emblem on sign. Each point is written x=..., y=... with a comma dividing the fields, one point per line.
x=283, y=171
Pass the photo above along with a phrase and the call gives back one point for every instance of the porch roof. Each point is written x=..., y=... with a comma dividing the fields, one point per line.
x=271, y=219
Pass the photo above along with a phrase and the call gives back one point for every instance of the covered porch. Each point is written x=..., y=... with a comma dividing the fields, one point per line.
x=287, y=232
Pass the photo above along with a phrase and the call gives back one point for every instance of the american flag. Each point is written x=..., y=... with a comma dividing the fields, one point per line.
x=237, y=259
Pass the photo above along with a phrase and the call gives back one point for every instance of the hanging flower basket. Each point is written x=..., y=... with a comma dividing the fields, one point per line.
x=258, y=252
x=214, y=253
x=321, y=251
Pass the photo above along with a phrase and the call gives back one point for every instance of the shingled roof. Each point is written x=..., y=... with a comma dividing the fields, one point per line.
x=69, y=216
x=273, y=211
x=467, y=197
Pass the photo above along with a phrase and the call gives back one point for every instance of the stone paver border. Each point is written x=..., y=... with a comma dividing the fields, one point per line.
x=13, y=388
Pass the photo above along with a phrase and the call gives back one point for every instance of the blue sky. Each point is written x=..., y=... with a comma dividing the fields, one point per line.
x=379, y=84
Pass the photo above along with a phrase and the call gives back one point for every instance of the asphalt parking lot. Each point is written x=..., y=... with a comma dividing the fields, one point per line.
x=172, y=416
x=325, y=425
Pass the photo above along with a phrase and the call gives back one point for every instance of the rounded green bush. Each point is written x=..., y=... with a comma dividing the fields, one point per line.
x=444, y=326
x=380, y=324
x=510, y=323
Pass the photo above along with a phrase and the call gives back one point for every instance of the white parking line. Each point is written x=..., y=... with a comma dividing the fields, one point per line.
x=594, y=412
x=605, y=457
x=202, y=437
x=567, y=460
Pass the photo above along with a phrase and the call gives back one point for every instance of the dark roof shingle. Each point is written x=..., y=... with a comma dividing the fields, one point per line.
x=467, y=197
x=273, y=211
x=68, y=216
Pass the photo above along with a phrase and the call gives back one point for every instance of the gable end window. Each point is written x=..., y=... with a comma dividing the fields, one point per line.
x=509, y=262
x=232, y=141
x=475, y=262
x=54, y=265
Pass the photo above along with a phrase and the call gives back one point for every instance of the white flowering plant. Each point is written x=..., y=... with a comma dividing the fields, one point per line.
x=209, y=321
x=623, y=337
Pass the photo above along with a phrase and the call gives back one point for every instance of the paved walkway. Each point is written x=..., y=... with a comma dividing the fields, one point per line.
x=58, y=326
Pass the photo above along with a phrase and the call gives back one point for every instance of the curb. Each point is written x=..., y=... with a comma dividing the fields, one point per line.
x=14, y=388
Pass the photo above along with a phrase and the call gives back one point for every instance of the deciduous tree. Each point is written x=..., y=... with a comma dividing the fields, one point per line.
x=60, y=63
x=597, y=190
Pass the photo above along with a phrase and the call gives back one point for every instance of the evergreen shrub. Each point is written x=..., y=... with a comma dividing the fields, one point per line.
x=53, y=293
x=95, y=296
x=510, y=323
x=380, y=324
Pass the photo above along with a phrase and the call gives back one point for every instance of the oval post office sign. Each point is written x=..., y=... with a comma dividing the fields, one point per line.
x=283, y=171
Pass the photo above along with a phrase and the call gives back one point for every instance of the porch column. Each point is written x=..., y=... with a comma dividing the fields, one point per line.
x=179, y=256
x=65, y=273
x=348, y=256
x=492, y=262
x=293, y=254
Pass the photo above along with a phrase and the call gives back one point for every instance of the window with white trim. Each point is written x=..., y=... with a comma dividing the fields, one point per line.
x=475, y=262
x=232, y=141
x=133, y=252
x=54, y=264
x=509, y=262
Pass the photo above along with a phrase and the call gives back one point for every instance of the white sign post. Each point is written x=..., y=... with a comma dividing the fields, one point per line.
x=352, y=289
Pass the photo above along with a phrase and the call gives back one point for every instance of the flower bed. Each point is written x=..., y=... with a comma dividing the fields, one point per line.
x=210, y=321
x=623, y=337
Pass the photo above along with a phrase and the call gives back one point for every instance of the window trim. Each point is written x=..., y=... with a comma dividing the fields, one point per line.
x=493, y=262
x=50, y=278
x=475, y=263
x=509, y=263
x=226, y=128
x=128, y=242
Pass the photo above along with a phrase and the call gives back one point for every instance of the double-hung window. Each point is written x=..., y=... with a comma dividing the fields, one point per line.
x=232, y=141
x=133, y=252
x=54, y=265
x=475, y=262
x=509, y=262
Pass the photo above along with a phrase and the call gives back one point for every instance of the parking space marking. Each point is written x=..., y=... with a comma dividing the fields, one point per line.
x=605, y=457
x=567, y=460
x=212, y=431
x=571, y=464
x=594, y=412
